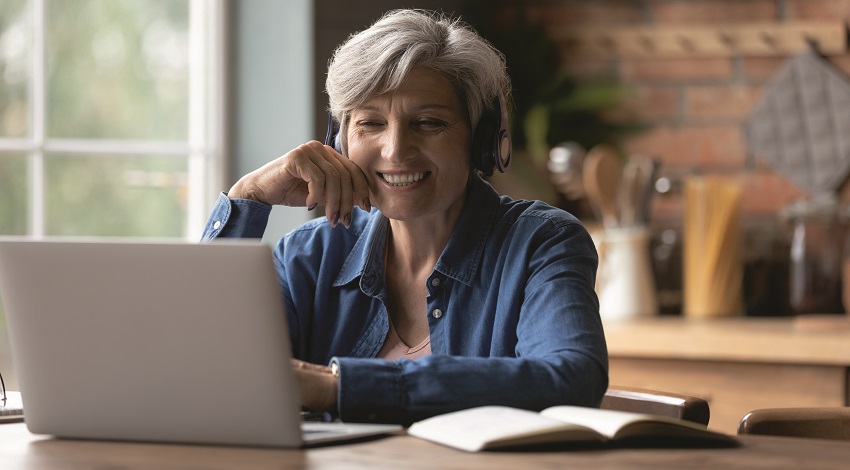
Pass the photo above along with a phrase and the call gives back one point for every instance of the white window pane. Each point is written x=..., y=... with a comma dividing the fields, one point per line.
x=14, y=194
x=115, y=195
x=15, y=60
x=117, y=69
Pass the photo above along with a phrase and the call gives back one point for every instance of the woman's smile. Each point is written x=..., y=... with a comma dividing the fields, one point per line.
x=404, y=179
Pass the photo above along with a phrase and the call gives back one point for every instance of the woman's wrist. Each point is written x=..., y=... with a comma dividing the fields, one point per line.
x=239, y=191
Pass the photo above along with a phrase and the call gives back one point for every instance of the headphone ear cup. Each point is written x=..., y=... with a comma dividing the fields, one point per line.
x=503, y=144
x=482, y=139
x=491, y=141
x=332, y=135
x=337, y=144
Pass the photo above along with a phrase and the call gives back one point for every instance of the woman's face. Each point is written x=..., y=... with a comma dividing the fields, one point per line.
x=413, y=143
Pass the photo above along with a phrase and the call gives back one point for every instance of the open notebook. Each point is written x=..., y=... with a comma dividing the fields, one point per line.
x=155, y=341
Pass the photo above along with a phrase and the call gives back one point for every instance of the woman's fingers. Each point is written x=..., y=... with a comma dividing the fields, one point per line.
x=353, y=190
x=344, y=184
x=359, y=184
x=310, y=175
x=337, y=192
x=317, y=385
x=312, y=165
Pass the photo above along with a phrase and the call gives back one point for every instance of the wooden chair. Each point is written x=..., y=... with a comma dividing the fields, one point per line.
x=674, y=405
x=820, y=423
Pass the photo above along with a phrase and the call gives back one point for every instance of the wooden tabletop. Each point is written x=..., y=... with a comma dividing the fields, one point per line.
x=21, y=450
x=801, y=340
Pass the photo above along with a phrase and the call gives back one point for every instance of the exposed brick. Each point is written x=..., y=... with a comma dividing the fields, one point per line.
x=761, y=68
x=675, y=70
x=818, y=9
x=712, y=11
x=761, y=164
x=720, y=103
x=647, y=104
x=767, y=192
x=586, y=13
x=694, y=147
x=762, y=193
x=842, y=63
x=591, y=69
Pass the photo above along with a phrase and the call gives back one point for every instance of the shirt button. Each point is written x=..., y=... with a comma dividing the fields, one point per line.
x=436, y=313
x=216, y=225
x=435, y=282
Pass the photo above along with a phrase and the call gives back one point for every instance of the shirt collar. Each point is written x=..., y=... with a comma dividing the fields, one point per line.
x=367, y=256
x=463, y=253
x=460, y=258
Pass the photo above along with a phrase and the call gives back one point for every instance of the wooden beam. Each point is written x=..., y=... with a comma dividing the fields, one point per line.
x=728, y=40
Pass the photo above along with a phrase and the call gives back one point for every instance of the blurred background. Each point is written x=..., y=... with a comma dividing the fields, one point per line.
x=126, y=118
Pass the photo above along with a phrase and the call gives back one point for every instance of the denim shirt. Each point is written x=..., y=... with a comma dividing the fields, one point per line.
x=512, y=312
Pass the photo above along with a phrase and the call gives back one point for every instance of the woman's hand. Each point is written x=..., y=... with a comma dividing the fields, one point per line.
x=312, y=174
x=317, y=385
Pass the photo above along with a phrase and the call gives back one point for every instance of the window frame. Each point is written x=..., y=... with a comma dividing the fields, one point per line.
x=206, y=139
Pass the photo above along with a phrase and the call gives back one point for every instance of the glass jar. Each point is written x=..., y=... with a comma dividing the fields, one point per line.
x=666, y=250
x=766, y=253
x=818, y=231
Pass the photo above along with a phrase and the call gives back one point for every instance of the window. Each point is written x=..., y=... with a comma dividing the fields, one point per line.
x=110, y=116
x=111, y=119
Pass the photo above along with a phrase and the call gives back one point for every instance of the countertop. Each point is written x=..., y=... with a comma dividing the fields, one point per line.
x=810, y=339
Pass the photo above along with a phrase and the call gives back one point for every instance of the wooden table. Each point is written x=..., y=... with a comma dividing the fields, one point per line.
x=737, y=364
x=21, y=450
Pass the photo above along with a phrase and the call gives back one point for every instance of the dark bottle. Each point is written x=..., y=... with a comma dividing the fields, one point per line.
x=819, y=228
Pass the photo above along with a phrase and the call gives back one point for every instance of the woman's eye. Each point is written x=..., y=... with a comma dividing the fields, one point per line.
x=430, y=124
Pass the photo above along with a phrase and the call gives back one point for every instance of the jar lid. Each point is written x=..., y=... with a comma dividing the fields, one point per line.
x=822, y=206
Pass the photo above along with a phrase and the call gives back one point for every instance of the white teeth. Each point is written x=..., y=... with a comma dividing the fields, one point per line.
x=402, y=180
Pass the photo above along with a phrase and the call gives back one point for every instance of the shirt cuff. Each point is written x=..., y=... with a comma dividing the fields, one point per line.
x=370, y=390
x=236, y=218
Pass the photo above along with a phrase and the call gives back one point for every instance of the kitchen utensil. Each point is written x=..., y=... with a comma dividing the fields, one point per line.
x=636, y=190
x=601, y=176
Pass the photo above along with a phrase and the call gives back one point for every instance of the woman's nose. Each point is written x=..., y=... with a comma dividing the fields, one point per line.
x=397, y=144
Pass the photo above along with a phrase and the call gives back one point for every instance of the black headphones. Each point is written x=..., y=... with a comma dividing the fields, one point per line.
x=491, y=141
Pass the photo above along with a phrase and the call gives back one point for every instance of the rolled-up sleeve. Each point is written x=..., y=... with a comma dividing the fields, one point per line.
x=236, y=218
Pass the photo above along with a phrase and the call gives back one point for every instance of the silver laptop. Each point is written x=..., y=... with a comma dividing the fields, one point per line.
x=155, y=341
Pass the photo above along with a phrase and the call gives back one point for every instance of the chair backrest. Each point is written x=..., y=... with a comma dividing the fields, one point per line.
x=815, y=422
x=639, y=400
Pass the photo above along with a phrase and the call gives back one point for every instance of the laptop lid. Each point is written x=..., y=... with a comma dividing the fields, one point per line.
x=170, y=342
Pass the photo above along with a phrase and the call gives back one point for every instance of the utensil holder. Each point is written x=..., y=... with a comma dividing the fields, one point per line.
x=625, y=283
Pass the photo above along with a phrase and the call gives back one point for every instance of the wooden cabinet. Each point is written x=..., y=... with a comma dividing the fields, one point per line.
x=738, y=364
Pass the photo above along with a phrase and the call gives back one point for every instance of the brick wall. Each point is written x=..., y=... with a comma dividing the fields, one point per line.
x=693, y=107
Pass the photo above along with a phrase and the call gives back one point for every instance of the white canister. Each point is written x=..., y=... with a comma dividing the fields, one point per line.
x=625, y=283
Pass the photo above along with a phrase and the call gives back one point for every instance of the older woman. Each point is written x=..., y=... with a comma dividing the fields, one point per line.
x=423, y=290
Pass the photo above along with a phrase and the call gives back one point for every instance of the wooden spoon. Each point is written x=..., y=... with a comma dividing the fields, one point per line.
x=601, y=177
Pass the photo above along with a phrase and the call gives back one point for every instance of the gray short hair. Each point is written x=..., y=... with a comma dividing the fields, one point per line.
x=378, y=59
